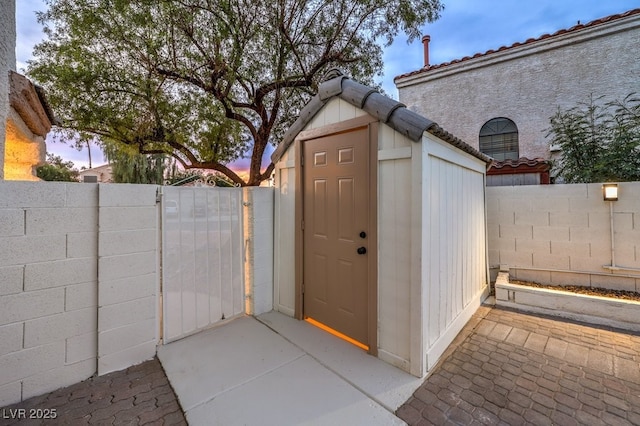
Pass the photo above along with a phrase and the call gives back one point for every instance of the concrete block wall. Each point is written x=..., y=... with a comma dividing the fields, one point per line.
x=79, y=279
x=128, y=273
x=258, y=207
x=48, y=287
x=560, y=234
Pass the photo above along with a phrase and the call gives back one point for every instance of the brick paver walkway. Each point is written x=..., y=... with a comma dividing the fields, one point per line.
x=512, y=368
x=505, y=368
x=139, y=395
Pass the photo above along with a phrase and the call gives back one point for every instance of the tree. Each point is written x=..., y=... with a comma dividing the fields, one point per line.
x=600, y=142
x=56, y=169
x=206, y=80
x=129, y=166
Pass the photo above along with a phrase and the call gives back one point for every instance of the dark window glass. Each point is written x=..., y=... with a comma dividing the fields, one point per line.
x=499, y=139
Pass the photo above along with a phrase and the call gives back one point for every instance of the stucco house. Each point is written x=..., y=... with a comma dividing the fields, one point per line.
x=500, y=101
x=101, y=174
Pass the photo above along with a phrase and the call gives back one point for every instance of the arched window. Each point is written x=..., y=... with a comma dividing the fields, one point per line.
x=499, y=139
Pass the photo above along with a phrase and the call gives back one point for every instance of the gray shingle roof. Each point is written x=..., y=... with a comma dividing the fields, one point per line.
x=393, y=113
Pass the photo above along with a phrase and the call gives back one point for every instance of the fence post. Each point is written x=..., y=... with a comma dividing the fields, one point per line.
x=257, y=204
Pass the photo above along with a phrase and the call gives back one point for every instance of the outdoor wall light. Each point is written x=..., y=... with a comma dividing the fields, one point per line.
x=610, y=191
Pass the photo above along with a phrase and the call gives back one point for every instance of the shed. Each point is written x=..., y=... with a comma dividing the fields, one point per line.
x=380, y=225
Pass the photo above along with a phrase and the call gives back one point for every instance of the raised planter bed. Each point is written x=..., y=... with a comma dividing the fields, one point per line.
x=624, y=314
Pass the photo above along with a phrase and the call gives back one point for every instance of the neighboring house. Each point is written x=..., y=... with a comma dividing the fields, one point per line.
x=102, y=174
x=25, y=116
x=501, y=101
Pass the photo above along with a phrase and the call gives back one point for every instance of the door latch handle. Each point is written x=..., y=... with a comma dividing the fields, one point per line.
x=362, y=250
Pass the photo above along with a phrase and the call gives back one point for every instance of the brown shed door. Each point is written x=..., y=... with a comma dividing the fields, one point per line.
x=336, y=212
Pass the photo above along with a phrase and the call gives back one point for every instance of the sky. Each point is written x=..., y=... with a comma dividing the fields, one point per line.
x=465, y=27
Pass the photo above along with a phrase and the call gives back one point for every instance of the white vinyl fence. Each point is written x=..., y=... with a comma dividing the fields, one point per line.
x=202, y=263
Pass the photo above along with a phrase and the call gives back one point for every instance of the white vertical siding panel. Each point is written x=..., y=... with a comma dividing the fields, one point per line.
x=317, y=121
x=403, y=232
x=346, y=110
x=434, y=261
x=395, y=250
x=394, y=270
x=284, y=230
x=386, y=138
x=455, y=252
x=458, y=242
x=335, y=111
x=468, y=266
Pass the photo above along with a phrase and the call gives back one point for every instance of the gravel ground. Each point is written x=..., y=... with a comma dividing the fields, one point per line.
x=592, y=291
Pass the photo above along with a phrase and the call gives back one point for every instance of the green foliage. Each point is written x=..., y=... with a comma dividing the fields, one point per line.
x=128, y=166
x=600, y=142
x=58, y=170
x=205, y=80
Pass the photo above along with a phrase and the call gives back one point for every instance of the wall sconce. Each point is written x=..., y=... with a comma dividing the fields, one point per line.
x=610, y=191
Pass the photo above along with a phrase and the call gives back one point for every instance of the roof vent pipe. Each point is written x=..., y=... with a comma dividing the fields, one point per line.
x=425, y=42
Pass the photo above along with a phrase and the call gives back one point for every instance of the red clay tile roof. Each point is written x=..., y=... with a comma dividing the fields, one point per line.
x=522, y=163
x=528, y=41
x=387, y=110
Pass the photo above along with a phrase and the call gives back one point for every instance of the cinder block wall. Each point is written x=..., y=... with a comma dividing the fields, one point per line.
x=79, y=279
x=128, y=266
x=560, y=234
x=48, y=287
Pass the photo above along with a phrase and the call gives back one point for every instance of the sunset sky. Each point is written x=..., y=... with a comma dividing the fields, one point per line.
x=465, y=28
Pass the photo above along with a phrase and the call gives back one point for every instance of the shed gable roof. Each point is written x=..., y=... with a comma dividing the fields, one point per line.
x=391, y=112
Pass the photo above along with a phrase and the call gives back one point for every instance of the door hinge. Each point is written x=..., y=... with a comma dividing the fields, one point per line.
x=302, y=288
x=301, y=159
x=302, y=224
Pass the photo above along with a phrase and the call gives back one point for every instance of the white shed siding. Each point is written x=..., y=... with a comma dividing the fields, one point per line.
x=335, y=111
x=284, y=232
x=432, y=267
x=454, y=248
x=394, y=248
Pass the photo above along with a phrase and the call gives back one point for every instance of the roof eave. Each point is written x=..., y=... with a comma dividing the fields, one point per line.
x=391, y=112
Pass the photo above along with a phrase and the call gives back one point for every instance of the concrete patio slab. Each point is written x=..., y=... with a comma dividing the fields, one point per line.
x=302, y=392
x=387, y=385
x=202, y=366
x=281, y=371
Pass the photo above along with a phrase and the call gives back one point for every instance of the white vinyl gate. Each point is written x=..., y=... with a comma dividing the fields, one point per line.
x=202, y=258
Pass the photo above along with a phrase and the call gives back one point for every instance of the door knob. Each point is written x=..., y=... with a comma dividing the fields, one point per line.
x=362, y=250
x=363, y=234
